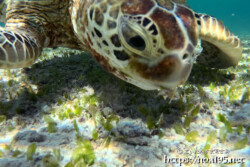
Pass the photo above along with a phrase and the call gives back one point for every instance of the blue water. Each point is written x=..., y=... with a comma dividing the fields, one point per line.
x=235, y=14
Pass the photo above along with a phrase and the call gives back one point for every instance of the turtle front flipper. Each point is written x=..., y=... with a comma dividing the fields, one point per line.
x=221, y=48
x=17, y=50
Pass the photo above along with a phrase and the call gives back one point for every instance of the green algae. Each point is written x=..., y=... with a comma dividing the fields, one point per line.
x=76, y=126
x=10, y=127
x=31, y=151
x=102, y=164
x=2, y=118
x=70, y=164
x=94, y=134
x=51, y=124
x=16, y=153
x=227, y=124
x=246, y=96
x=178, y=128
x=1, y=154
x=192, y=136
x=50, y=161
x=150, y=122
x=223, y=134
x=107, y=141
x=57, y=154
x=83, y=153
x=195, y=111
x=211, y=139
x=241, y=143
x=239, y=129
x=187, y=121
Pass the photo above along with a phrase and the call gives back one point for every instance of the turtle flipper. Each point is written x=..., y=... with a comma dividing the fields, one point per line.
x=17, y=50
x=221, y=48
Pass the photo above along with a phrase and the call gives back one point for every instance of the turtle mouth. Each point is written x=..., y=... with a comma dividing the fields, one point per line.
x=168, y=73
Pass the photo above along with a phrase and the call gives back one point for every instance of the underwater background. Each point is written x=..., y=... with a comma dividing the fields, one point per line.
x=234, y=14
x=67, y=111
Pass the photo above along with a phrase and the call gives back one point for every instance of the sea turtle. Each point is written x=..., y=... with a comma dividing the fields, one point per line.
x=148, y=43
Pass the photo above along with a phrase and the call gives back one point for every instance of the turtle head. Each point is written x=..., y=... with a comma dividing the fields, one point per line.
x=158, y=41
x=148, y=43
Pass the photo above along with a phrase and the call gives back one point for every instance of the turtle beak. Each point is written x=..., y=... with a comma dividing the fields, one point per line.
x=173, y=72
x=168, y=73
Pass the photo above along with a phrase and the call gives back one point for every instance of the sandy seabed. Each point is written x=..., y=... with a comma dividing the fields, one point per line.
x=66, y=95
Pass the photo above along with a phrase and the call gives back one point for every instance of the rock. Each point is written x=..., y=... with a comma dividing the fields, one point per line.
x=132, y=128
x=16, y=162
x=241, y=117
x=30, y=136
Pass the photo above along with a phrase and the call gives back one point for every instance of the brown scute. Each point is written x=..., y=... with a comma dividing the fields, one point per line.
x=160, y=72
x=104, y=62
x=27, y=54
x=206, y=17
x=30, y=50
x=214, y=20
x=33, y=44
x=20, y=51
x=37, y=52
x=27, y=44
x=19, y=37
x=111, y=2
x=220, y=26
x=115, y=40
x=227, y=32
x=114, y=12
x=111, y=24
x=2, y=55
x=10, y=37
x=99, y=18
x=137, y=6
x=169, y=29
x=188, y=19
x=12, y=57
x=104, y=7
x=230, y=40
x=166, y=4
x=121, y=55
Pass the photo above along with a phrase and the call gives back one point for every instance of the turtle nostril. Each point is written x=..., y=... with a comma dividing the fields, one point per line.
x=185, y=56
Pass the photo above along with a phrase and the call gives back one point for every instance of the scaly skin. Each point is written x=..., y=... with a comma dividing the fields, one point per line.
x=148, y=43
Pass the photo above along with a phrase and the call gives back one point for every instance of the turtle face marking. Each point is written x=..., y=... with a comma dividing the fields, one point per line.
x=149, y=43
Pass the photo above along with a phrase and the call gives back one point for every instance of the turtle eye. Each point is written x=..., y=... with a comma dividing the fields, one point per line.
x=132, y=38
x=137, y=42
